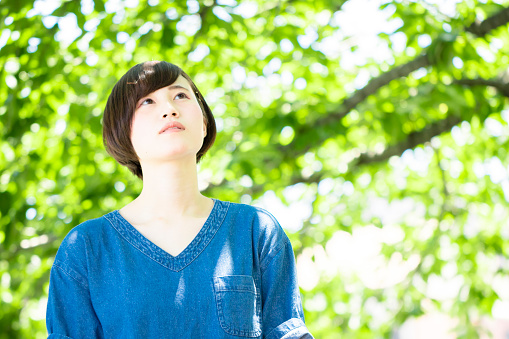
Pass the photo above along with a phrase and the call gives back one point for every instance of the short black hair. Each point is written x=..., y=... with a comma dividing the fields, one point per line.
x=137, y=83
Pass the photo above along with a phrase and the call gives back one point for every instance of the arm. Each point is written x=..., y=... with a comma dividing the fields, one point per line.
x=282, y=314
x=70, y=313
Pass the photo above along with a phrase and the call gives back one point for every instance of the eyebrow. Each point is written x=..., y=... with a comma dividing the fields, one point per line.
x=177, y=87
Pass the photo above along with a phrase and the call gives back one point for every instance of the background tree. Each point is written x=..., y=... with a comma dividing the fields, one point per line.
x=376, y=131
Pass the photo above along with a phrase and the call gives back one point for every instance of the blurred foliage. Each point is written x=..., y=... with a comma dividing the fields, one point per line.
x=388, y=148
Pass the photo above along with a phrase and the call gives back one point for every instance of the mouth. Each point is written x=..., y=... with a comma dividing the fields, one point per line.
x=173, y=126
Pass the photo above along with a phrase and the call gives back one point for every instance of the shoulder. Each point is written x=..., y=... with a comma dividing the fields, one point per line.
x=77, y=242
x=258, y=217
x=72, y=257
x=268, y=233
x=254, y=213
x=85, y=230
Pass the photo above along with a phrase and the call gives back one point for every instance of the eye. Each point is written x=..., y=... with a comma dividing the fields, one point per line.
x=146, y=102
x=181, y=96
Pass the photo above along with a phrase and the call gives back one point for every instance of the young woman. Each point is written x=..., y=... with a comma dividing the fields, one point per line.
x=172, y=263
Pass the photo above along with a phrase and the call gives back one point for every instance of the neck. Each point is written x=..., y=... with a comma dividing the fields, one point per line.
x=170, y=190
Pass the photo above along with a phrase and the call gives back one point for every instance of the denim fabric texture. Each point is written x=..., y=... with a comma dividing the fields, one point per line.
x=236, y=279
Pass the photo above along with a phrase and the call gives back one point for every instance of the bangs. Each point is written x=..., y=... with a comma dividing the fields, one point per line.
x=148, y=77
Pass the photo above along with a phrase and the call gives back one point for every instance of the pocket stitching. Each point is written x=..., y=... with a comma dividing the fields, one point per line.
x=219, y=296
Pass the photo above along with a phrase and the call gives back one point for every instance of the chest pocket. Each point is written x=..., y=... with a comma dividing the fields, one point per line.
x=238, y=305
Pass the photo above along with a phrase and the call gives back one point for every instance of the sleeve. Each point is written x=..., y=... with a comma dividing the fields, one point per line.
x=70, y=313
x=282, y=314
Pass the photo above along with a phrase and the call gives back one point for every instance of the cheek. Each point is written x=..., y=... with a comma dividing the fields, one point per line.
x=134, y=130
x=137, y=131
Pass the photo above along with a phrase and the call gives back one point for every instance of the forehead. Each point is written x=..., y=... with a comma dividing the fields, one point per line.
x=182, y=82
x=179, y=84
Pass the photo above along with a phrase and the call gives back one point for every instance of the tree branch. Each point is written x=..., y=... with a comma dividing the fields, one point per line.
x=437, y=128
x=479, y=29
x=413, y=139
x=373, y=86
x=502, y=87
x=417, y=137
x=484, y=27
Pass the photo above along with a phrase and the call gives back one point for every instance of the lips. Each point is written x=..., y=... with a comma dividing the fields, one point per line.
x=174, y=125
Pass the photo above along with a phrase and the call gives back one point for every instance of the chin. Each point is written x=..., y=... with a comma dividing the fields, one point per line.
x=170, y=152
x=179, y=155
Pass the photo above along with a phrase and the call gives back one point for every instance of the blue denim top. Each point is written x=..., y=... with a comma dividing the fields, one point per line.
x=236, y=279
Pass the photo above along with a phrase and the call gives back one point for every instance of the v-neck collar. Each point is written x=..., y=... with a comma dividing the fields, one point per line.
x=184, y=258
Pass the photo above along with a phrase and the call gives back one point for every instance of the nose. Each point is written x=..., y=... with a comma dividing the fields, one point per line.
x=169, y=110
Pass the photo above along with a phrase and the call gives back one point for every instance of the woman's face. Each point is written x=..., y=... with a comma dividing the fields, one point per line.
x=168, y=124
